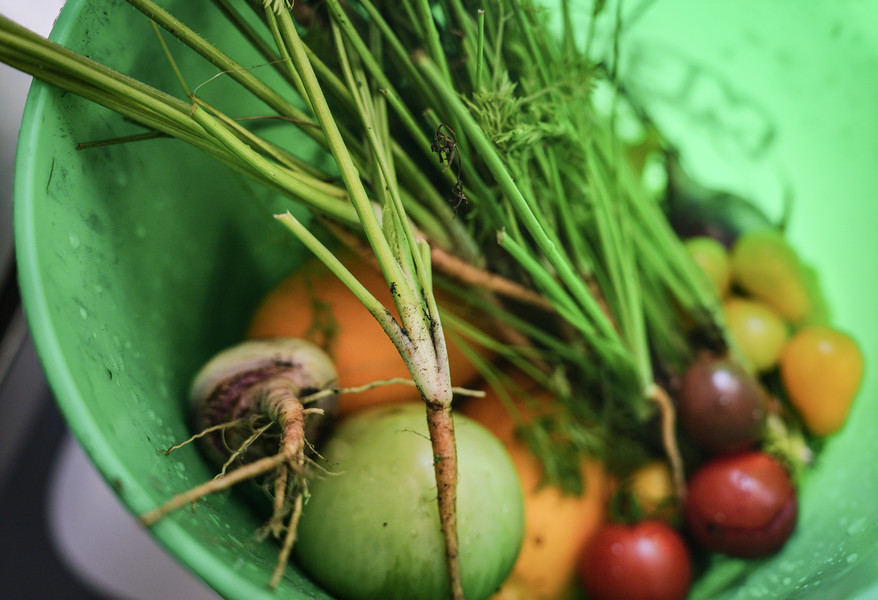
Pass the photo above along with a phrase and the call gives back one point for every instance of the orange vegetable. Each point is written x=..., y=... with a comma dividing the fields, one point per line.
x=557, y=525
x=821, y=369
x=312, y=303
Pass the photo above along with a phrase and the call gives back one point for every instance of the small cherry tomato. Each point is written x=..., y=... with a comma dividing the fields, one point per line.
x=757, y=329
x=721, y=406
x=767, y=267
x=821, y=369
x=742, y=505
x=652, y=487
x=712, y=257
x=645, y=561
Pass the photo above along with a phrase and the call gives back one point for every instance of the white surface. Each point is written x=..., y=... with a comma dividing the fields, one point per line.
x=100, y=541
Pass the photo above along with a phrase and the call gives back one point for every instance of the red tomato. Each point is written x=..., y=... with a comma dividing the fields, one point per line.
x=742, y=505
x=645, y=561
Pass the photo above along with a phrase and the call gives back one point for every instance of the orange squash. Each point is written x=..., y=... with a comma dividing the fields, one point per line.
x=312, y=303
x=557, y=525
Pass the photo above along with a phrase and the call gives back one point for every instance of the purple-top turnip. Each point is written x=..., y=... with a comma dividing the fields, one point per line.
x=251, y=408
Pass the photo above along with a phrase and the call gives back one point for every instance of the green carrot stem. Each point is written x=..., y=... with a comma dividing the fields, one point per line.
x=535, y=51
x=393, y=330
x=50, y=62
x=577, y=244
x=428, y=369
x=167, y=51
x=480, y=52
x=222, y=61
x=253, y=37
x=237, y=72
x=431, y=38
x=285, y=62
x=551, y=288
x=488, y=154
x=461, y=20
x=310, y=175
x=329, y=81
x=309, y=190
x=613, y=225
x=377, y=71
x=394, y=212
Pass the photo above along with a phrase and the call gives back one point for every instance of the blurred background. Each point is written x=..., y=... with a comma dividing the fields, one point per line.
x=63, y=534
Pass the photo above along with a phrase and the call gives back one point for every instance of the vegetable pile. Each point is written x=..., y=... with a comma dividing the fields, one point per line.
x=602, y=399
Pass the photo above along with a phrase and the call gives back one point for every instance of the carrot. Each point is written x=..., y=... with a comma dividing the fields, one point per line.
x=557, y=525
x=313, y=304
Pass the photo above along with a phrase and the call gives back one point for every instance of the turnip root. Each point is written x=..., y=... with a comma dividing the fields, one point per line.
x=250, y=406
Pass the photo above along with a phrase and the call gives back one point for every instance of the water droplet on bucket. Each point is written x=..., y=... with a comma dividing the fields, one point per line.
x=787, y=581
x=857, y=527
x=852, y=557
x=74, y=240
x=83, y=313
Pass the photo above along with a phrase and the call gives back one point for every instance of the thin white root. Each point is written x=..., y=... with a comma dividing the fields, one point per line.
x=275, y=525
x=204, y=432
x=248, y=471
x=289, y=541
x=460, y=391
x=242, y=449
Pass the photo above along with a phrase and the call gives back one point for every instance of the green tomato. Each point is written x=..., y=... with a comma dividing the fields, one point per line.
x=712, y=258
x=370, y=529
x=768, y=268
x=758, y=330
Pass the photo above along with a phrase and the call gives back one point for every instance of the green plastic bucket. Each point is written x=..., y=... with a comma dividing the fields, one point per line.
x=139, y=261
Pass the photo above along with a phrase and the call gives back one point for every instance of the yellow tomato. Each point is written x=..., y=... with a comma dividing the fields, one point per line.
x=821, y=369
x=758, y=331
x=767, y=267
x=713, y=260
x=652, y=486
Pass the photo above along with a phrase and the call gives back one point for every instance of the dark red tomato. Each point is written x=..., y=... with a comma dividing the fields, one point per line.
x=645, y=561
x=742, y=505
x=721, y=406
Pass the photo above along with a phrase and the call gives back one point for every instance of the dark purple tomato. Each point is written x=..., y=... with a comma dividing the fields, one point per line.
x=645, y=561
x=695, y=210
x=724, y=217
x=742, y=505
x=721, y=406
